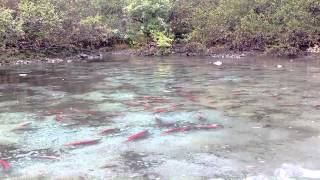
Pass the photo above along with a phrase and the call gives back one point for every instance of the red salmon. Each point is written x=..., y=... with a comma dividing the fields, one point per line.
x=86, y=142
x=179, y=129
x=176, y=105
x=108, y=131
x=129, y=103
x=188, y=128
x=160, y=110
x=200, y=116
x=83, y=111
x=159, y=100
x=5, y=165
x=147, y=97
x=59, y=118
x=139, y=135
x=152, y=99
x=53, y=112
x=22, y=126
x=49, y=157
x=192, y=98
x=147, y=106
x=210, y=126
x=91, y=112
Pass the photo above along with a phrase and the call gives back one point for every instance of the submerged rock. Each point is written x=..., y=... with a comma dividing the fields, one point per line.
x=109, y=106
x=92, y=96
x=8, y=142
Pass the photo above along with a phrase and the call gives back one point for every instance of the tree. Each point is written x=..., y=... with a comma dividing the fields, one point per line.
x=40, y=20
x=8, y=25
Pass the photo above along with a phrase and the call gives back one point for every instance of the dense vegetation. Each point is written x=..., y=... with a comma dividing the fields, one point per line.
x=286, y=27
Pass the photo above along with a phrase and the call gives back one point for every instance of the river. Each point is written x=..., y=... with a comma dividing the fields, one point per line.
x=267, y=113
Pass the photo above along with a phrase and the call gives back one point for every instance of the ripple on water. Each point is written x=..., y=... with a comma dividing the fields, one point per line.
x=268, y=117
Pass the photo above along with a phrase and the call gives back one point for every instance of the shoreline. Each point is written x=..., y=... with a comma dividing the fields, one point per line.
x=97, y=55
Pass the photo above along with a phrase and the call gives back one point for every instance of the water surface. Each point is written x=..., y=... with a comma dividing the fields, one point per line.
x=269, y=115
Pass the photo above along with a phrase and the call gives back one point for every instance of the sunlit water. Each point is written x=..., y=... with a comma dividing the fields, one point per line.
x=269, y=115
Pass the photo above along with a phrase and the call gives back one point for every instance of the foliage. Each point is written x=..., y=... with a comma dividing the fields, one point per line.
x=39, y=18
x=7, y=24
x=197, y=48
x=149, y=15
x=262, y=24
x=286, y=27
x=163, y=41
x=92, y=20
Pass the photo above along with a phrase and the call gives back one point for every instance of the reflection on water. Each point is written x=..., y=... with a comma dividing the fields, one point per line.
x=269, y=115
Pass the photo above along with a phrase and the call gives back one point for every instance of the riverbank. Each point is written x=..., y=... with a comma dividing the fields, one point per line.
x=68, y=56
x=157, y=28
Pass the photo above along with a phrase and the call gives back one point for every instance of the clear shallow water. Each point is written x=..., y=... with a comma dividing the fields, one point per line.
x=270, y=116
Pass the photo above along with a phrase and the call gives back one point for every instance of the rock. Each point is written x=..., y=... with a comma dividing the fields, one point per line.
x=279, y=66
x=294, y=171
x=218, y=63
x=7, y=142
x=259, y=177
x=23, y=75
x=193, y=49
x=90, y=57
x=99, y=56
x=83, y=56
x=315, y=49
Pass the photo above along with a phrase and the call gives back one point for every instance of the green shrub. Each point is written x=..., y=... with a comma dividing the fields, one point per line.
x=8, y=25
x=163, y=41
x=40, y=19
x=289, y=25
x=149, y=15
